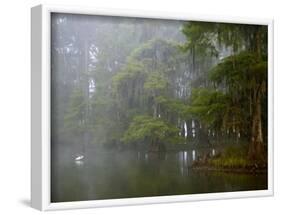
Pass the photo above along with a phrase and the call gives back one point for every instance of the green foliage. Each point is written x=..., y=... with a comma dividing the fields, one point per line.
x=229, y=162
x=132, y=73
x=155, y=83
x=102, y=117
x=240, y=70
x=231, y=157
x=200, y=38
x=146, y=87
x=207, y=105
x=208, y=38
x=241, y=75
x=238, y=74
x=153, y=129
x=156, y=49
x=235, y=151
x=172, y=106
x=75, y=114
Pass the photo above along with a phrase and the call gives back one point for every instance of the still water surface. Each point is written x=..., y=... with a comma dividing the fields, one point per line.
x=109, y=175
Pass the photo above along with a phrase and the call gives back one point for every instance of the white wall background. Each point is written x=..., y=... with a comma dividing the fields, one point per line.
x=15, y=104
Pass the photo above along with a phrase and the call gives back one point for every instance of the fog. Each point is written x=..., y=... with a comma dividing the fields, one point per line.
x=149, y=96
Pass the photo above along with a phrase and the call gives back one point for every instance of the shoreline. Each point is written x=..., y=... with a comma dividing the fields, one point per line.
x=252, y=170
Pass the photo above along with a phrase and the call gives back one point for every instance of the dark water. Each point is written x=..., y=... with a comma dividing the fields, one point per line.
x=109, y=175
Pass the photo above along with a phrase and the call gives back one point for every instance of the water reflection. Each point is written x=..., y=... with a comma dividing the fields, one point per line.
x=185, y=157
x=146, y=156
x=184, y=162
x=185, y=129
x=213, y=152
x=193, y=155
x=193, y=128
x=79, y=162
x=105, y=175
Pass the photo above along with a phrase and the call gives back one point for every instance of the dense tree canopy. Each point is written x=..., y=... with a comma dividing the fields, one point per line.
x=154, y=82
x=241, y=77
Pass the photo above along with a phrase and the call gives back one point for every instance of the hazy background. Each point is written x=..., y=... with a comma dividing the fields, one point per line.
x=16, y=15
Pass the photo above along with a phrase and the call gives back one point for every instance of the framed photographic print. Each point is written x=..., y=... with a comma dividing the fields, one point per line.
x=133, y=107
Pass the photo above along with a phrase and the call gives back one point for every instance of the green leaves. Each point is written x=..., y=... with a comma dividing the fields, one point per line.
x=154, y=129
x=133, y=71
x=75, y=113
x=240, y=71
x=155, y=83
x=207, y=105
x=201, y=37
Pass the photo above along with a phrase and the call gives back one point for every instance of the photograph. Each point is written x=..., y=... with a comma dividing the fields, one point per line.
x=150, y=107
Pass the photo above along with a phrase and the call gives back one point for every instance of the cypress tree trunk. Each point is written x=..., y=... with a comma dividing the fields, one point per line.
x=256, y=148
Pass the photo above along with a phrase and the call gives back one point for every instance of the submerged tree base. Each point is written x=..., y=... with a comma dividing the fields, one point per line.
x=231, y=159
x=248, y=170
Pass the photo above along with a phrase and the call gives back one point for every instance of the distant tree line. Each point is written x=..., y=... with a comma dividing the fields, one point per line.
x=128, y=81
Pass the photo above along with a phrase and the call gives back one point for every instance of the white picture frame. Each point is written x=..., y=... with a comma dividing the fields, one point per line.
x=40, y=109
